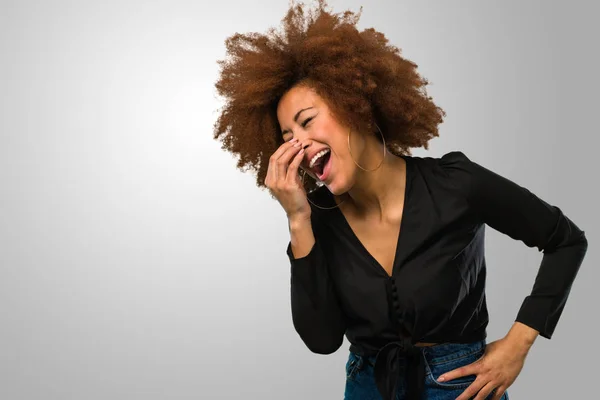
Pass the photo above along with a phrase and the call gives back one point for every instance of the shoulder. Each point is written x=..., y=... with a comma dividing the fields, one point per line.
x=454, y=159
x=448, y=163
x=453, y=170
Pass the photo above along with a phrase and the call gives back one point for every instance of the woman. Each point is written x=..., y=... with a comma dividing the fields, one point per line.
x=385, y=248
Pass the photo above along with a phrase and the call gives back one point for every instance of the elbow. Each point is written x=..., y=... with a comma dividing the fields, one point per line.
x=584, y=241
x=580, y=242
x=583, y=244
x=574, y=249
x=567, y=235
x=322, y=337
x=324, y=345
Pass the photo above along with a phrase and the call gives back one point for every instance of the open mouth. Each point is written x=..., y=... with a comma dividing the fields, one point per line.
x=320, y=164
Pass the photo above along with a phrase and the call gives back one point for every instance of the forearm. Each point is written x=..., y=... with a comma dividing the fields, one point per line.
x=320, y=325
x=301, y=236
x=315, y=310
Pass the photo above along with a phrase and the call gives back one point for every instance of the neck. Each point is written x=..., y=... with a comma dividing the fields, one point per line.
x=373, y=194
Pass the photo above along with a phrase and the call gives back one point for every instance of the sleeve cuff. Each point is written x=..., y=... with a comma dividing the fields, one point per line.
x=534, y=312
x=307, y=259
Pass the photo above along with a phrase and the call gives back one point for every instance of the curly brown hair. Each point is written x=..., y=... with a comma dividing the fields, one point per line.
x=362, y=77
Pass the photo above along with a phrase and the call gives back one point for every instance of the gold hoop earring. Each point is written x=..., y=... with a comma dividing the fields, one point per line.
x=384, y=151
x=322, y=208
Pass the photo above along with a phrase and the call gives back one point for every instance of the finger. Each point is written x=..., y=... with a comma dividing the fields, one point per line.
x=271, y=175
x=284, y=160
x=292, y=172
x=499, y=392
x=275, y=156
x=470, y=369
x=472, y=389
x=485, y=391
x=284, y=146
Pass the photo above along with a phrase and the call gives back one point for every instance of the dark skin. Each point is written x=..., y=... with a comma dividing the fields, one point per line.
x=374, y=212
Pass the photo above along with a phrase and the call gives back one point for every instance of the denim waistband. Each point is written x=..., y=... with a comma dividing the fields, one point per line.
x=437, y=352
x=388, y=363
x=452, y=350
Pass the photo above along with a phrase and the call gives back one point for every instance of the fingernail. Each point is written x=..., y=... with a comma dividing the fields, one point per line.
x=441, y=378
x=294, y=140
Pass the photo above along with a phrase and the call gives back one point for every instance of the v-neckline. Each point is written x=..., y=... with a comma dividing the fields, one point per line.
x=359, y=244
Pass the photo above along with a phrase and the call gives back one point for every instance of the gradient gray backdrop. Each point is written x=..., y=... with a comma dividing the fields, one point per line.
x=136, y=262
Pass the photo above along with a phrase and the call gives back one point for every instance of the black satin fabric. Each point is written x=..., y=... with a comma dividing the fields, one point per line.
x=388, y=368
x=436, y=291
x=393, y=356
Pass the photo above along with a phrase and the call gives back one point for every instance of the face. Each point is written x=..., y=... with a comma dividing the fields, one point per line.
x=304, y=115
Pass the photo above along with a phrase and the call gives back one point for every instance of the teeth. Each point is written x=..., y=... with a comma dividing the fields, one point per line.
x=316, y=157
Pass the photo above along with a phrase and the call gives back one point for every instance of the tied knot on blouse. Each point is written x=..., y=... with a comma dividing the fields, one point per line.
x=388, y=369
x=390, y=358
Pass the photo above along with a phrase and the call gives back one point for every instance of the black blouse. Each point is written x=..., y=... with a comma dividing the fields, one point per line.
x=436, y=292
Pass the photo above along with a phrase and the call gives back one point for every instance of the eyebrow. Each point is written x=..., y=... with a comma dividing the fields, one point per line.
x=296, y=119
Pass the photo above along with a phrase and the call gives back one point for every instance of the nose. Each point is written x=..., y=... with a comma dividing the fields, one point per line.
x=304, y=141
x=305, y=145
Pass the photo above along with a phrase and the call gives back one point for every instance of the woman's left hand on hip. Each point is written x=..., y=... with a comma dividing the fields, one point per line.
x=496, y=370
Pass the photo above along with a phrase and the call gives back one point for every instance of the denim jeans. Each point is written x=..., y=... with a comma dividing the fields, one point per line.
x=441, y=358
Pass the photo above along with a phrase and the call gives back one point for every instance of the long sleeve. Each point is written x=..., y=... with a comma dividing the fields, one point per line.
x=515, y=211
x=315, y=310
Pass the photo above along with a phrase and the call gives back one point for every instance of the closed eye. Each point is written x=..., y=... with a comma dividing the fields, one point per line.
x=306, y=122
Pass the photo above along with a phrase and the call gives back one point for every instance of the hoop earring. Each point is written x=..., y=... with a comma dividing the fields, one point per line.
x=322, y=208
x=384, y=151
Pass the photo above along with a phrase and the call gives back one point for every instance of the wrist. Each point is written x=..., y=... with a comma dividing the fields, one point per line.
x=522, y=336
x=298, y=221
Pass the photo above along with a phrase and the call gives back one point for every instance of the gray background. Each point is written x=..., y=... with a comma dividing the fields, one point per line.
x=136, y=262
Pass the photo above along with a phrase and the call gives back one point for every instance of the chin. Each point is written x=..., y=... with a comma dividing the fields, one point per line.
x=338, y=186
